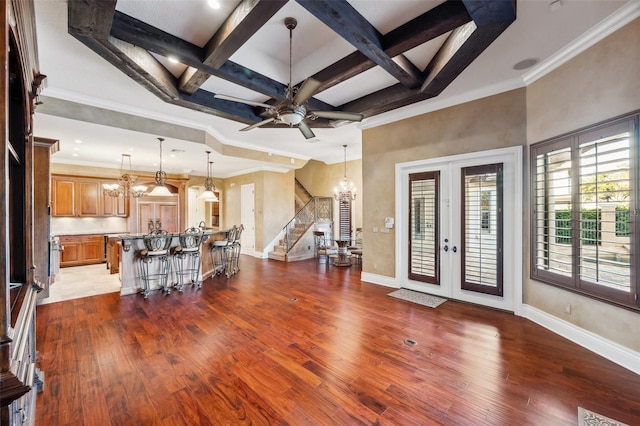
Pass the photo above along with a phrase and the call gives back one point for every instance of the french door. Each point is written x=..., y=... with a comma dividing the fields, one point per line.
x=462, y=237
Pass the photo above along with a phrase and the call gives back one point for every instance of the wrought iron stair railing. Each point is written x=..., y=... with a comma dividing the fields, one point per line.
x=317, y=209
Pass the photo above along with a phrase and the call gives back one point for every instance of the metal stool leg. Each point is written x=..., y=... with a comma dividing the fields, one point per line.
x=192, y=269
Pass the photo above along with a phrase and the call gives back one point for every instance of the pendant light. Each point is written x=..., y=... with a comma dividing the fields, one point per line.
x=161, y=179
x=209, y=188
x=125, y=186
x=345, y=190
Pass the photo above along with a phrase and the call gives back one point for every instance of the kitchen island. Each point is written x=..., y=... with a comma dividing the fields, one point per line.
x=132, y=244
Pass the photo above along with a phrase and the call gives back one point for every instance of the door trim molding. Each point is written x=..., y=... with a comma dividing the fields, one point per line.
x=513, y=222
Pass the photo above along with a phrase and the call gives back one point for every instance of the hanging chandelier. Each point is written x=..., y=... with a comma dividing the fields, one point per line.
x=125, y=186
x=161, y=189
x=345, y=191
x=209, y=188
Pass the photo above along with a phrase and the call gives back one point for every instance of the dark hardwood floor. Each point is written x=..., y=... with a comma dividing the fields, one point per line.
x=242, y=351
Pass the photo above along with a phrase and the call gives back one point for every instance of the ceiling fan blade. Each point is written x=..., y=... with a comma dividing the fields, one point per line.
x=338, y=115
x=244, y=101
x=258, y=124
x=307, y=90
x=306, y=130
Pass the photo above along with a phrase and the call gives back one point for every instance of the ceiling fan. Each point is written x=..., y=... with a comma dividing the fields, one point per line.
x=292, y=110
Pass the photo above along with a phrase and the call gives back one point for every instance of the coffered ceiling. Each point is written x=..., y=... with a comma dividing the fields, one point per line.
x=108, y=65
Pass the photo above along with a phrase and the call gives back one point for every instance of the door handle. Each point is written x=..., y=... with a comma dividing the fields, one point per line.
x=446, y=248
x=454, y=249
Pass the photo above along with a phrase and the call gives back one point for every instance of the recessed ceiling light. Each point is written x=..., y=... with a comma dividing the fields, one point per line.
x=76, y=149
x=74, y=154
x=131, y=149
x=526, y=63
x=78, y=141
x=214, y=4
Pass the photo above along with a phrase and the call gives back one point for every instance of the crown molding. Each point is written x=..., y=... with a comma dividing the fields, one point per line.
x=436, y=104
x=90, y=101
x=613, y=23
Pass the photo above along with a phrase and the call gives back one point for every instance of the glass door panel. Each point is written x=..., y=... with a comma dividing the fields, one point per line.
x=482, y=229
x=424, y=258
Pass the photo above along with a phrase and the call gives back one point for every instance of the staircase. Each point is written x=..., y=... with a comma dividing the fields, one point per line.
x=297, y=242
x=301, y=195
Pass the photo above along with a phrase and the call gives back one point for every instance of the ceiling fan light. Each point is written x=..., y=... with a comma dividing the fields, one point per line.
x=291, y=118
x=291, y=114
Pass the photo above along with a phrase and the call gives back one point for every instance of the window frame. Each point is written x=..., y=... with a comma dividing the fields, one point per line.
x=574, y=282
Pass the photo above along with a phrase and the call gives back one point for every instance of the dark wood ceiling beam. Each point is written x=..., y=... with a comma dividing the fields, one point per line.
x=244, y=21
x=347, y=67
x=431, y=24
x=384, y=100
x=204, y=101
x=342, y=18
x=466, y=43
x=162, y=43
x=89, y=21
x=91, y=18
x=463, y=45
x=435, y=22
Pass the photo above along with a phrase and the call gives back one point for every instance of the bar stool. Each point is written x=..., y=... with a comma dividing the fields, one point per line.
x=186, y=257
x=156, y=249
x=234, y=251
x=219, y=252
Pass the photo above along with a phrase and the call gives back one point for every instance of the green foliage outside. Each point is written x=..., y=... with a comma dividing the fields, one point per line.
x=612, y=186
x=591, y=227
x=623, y=227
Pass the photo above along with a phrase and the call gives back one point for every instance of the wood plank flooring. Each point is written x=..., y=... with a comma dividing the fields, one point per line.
x=242, y=351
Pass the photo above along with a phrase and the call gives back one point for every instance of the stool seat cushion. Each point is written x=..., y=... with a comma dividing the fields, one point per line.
x=181, y=249
x=153, y=252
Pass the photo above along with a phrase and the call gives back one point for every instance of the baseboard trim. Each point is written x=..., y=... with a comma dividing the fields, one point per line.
x=379, y=279
x=612, y=351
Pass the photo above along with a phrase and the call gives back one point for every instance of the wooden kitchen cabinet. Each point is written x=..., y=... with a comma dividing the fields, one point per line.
x=63, y=197
x=114, y=206
x=89, y=198
x=84, y=197
x=82, y=250
x=114, y=245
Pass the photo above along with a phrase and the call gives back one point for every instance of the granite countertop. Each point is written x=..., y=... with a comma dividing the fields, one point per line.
x=206, y=232
x=74, y=234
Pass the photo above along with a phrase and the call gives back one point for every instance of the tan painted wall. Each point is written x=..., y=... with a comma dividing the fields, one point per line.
x=278, y=206
x=599, y=84
x=273, y=203
x=490, y=123
x=320, y=179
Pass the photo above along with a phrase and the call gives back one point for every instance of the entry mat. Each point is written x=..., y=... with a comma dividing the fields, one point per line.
x=418, y=297
x=589, y=418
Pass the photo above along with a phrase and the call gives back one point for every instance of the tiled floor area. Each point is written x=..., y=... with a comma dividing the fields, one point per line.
x=82, y=281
